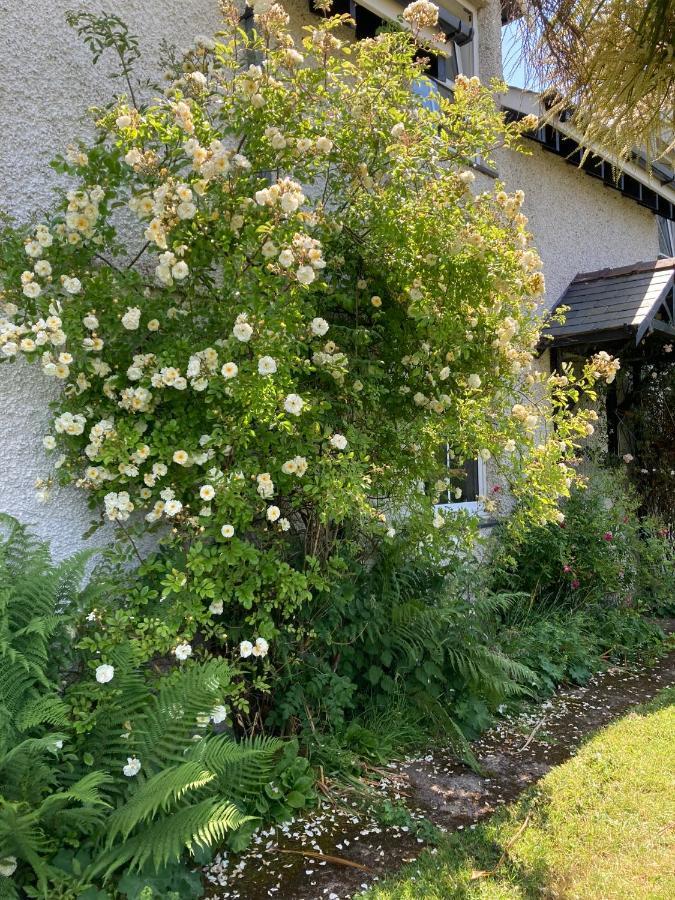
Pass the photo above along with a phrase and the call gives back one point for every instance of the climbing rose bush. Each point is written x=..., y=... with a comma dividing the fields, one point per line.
x=270, y=296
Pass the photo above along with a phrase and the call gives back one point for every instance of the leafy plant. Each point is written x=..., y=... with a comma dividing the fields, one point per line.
x=306, y=302
x=64, y=745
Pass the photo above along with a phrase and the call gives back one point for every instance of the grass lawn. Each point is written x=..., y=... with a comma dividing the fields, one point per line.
x=599, y=827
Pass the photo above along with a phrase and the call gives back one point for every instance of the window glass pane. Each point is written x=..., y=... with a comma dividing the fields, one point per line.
x=468, y=483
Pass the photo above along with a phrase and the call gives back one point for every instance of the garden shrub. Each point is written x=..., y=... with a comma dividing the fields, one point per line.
x=406, y=639
x=260, y=369
x=593, y=556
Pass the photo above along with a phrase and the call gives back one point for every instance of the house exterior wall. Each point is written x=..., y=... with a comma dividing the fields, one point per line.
x=49, y=83
x=578, y=224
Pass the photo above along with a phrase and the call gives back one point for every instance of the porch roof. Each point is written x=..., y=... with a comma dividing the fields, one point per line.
x=611, y=304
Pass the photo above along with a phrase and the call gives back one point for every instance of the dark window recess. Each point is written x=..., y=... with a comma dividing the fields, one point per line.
x=454, y=28
x=367, y=23
x=435, y=66
x=468, y=483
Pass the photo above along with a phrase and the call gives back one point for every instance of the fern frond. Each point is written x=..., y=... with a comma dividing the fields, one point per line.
x=42, y=711
x=203, y=824
x=158, y=792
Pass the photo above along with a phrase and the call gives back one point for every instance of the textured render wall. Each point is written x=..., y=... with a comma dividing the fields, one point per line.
x=578, y=224
x=47, y=85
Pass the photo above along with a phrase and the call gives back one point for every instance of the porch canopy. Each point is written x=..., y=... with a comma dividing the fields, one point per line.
x=617, y=305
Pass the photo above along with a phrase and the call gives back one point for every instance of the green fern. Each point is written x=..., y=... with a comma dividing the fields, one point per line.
x=193, y=785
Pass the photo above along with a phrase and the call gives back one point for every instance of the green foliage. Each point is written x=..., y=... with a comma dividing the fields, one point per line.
x=655, y=588
x=401, y=636
x=69, y=815
x=590, y=557
x=306, y=302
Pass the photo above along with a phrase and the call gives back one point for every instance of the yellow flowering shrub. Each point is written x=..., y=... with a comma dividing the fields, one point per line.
x=270, y=294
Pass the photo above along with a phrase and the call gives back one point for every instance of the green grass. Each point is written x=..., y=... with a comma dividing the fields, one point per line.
x=599, y=827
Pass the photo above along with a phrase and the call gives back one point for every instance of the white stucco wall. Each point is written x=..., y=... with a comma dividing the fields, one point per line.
x=579, y=225
x=48, y=83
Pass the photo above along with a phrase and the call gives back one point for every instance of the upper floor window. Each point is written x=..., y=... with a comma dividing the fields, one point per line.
x=666, y=236
x=456, y=20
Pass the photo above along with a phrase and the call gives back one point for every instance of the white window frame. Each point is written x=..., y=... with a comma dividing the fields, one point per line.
x=471, y=506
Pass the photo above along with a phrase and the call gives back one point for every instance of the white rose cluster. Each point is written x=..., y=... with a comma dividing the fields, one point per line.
x=259, y=648
x=296, y=466
x=286, y=194
x=70, y=423
x=118, y=506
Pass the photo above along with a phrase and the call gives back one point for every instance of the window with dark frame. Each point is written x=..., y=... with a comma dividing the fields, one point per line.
x=465, y=475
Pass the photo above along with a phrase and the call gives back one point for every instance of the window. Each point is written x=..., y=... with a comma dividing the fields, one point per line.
x=666, y=236
x=468, y=477
x=456, y=20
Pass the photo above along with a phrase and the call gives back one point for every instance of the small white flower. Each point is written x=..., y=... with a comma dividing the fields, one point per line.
x=628, y=458
x=172, y=508
x=319, y=326
x=242, y=331
x=105, y=673
x=183, y=650
x=216, y=608
x=438, y=521
x=132, y=768
x=474, y=381
x=267, y=365
x=218, y=714
x=207, y=492
x=180, y=457
x=8, y=866
x=131, y=318
x=260, y=647
x=293, y=404
x=339, y=441
x=180, y=271
x=72, y=285
x=49, y=442
x=245, y=649
x=305, y=274
x=229, y=370
x=227, y=531
x=273, y=513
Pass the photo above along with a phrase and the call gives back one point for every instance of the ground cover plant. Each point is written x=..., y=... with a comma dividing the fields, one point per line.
x=596, y=827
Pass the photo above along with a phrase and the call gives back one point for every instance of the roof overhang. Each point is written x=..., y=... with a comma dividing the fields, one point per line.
x=617, y=304
x=652, y=186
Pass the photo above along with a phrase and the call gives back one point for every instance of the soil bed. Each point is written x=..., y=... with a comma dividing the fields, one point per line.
x=514, y=753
